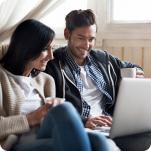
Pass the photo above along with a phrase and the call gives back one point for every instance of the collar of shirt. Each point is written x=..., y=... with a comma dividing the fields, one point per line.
x=70, y=61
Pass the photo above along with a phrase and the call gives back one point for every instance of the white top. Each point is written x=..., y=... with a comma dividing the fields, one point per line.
x=33, y=100
x=32, y=103
x=91, y=94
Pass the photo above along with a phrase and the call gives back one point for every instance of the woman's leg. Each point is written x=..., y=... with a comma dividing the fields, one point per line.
x=64, y=125
x=36, y=145
x=61, y=130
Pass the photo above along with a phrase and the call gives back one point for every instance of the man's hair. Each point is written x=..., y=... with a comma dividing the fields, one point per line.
x=80, y=18
x=27, y=42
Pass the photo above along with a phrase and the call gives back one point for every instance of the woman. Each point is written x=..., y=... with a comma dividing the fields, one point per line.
x=28, y=121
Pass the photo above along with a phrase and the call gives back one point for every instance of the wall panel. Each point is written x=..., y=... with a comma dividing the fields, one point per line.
x=135, y=51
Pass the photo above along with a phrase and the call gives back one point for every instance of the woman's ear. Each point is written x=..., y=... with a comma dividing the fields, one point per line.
x=66, y=33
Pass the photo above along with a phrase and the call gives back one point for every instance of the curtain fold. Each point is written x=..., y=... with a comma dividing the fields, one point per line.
x=13, y=12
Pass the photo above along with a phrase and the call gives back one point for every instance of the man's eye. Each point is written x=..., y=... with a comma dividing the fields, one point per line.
x=92, y=39
x=81, y=38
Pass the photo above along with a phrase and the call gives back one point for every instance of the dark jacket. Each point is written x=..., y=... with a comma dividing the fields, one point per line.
x=66, y=87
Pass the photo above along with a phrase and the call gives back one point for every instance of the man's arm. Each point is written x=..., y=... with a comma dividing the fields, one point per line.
x=125, y=64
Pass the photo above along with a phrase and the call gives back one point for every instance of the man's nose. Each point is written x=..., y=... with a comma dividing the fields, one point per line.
x=86, y=44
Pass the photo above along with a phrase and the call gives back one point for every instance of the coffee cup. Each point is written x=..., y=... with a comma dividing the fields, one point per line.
x=128, y=72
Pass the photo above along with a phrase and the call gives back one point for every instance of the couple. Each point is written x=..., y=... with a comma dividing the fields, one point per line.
x=86, y=78
x=31, y=117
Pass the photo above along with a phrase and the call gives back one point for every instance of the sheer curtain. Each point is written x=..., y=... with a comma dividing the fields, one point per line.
x=12, y=12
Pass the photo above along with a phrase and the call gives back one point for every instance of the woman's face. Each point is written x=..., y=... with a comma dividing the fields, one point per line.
x=41, y=62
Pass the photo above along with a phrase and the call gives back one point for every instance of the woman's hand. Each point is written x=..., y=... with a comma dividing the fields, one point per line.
x=55, y=101
x=102, y=120
x=35, y=117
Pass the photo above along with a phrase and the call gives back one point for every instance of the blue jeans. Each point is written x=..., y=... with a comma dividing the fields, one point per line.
x=98, y=141
x=61, y=130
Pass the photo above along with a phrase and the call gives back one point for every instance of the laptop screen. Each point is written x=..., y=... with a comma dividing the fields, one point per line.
x=133, y=107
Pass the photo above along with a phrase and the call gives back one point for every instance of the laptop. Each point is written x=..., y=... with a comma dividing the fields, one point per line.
x=132, y=112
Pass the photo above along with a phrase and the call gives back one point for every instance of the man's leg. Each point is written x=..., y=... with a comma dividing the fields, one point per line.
x=98, y=141
x=138, y=142
x=101, y=143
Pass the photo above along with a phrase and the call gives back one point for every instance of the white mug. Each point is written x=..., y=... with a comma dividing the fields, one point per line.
x=128, y=72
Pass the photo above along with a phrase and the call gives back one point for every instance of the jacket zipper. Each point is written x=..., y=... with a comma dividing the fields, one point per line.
x=64, y=74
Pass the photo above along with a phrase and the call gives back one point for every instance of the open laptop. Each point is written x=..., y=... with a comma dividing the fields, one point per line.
x=132, y=112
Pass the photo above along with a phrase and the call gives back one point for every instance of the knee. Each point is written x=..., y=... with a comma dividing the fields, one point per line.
x=64, y=109
x=98, y=141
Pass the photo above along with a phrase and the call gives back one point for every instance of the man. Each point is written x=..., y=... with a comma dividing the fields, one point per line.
x=88, y=78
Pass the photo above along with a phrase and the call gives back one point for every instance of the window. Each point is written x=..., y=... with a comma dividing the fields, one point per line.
x=131, y=11
x=124, y=19
x=56, y=18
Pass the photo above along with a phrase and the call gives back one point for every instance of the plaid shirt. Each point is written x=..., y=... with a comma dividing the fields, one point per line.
x=94, y=73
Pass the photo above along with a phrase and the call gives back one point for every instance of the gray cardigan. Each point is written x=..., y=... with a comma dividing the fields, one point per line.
x=11, y=98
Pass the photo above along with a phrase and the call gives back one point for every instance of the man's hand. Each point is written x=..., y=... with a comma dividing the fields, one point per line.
x=102, y=120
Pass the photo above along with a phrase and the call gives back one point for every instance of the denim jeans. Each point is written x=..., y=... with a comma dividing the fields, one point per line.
x=98, y=141
x=61, y=130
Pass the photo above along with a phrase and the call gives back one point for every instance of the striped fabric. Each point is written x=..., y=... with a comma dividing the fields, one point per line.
x=75, y=70
x=96, y=75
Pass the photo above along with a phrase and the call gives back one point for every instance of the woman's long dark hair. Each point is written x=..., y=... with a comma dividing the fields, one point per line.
x=27, y=42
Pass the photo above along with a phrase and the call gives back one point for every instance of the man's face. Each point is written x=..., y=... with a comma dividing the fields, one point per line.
x=81, y=40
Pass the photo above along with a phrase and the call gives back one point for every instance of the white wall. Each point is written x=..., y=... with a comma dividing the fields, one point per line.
x=130, y=42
